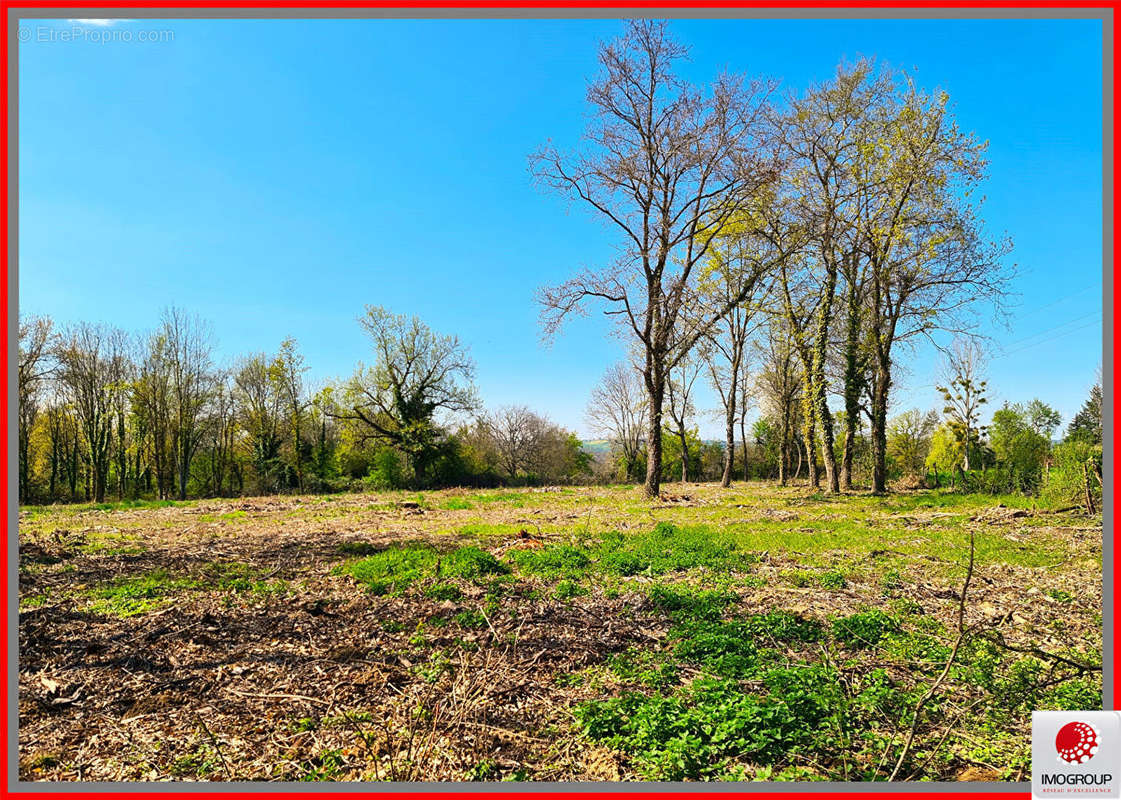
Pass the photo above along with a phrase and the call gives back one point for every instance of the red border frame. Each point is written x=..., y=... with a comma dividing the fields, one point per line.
x=5, y=399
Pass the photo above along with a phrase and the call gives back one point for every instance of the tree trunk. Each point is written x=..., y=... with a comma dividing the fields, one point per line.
x=730, y=426
x=24, y=468
x=784, y=450
x=879, y=428
x=821, y=399
x=852, y=385
x=656, y=389
x=809, y=430
x=743, y=446
x=681, y=434
x=729, y=444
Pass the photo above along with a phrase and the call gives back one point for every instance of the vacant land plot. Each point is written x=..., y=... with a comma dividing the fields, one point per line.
x=573, y=634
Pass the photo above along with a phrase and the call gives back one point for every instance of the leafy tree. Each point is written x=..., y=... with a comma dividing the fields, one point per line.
x=928, y=263
x=1042, y=418
x=261, y=405
x=964, y=394
x=1086, y=426
x=909, y=439
x=417, y=374
x=945, y=449
x=91, y=370
x=34, y=367
x=1018, y=445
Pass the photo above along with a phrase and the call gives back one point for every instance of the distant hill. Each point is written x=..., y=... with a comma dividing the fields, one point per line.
x=600, y=446
x=596, y=446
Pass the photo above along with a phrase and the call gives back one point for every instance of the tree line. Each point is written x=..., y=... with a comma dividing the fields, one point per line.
x=1018, y=449
x=103, y=413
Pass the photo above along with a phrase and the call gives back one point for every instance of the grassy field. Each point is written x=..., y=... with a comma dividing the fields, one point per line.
x=755, y=633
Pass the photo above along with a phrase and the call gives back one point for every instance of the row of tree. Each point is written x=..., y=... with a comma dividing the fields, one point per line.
x=104, y=413
x=1014, y=452
x=836, y=226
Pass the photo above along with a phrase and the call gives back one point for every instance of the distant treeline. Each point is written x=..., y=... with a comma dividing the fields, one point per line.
x=104, y=414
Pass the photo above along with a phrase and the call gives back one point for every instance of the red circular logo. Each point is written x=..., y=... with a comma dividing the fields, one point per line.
x=1076, y=742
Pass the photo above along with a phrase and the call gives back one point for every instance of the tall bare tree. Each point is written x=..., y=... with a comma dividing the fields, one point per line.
x=35, y=365
x=89, y=369
x=152, y=404
x=616, y=410
x=679, y=397
x=667, y=165
x=517, y=434
x=189, y=345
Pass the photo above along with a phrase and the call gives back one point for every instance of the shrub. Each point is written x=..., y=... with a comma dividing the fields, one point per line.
x=696, y=732
x=682, y=602
x=386, y=471
x=864, y=630
x=1065, y=482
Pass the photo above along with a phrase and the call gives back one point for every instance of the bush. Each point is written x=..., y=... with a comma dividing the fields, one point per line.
x=864, y=630
x=694, y=733
x=386, y=471
x=1065, y=482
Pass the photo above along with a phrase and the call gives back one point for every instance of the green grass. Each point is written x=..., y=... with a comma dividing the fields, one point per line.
x=396, y=568
x=119, y=505
x=667, y=548
x=456, y=504
x=129, y=597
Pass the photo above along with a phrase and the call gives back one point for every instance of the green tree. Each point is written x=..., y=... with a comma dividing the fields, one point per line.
x=417, y=374
x=945, y=449
x=1042, y=418
x=1086, y=426
x=1018, y=445
x=909, y=439
x=964, y=394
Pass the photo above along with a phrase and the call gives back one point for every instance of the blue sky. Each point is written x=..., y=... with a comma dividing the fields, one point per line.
x=276, y=176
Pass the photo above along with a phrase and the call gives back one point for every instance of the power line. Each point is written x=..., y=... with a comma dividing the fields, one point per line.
x=1057, y=336
x=1083, y=290
x=1045, y=331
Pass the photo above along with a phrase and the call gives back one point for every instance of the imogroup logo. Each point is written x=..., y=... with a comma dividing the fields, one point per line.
x=1077, y=742
x=1076, y=754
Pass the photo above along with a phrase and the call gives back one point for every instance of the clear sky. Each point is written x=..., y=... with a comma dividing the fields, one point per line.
x=276, y=176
